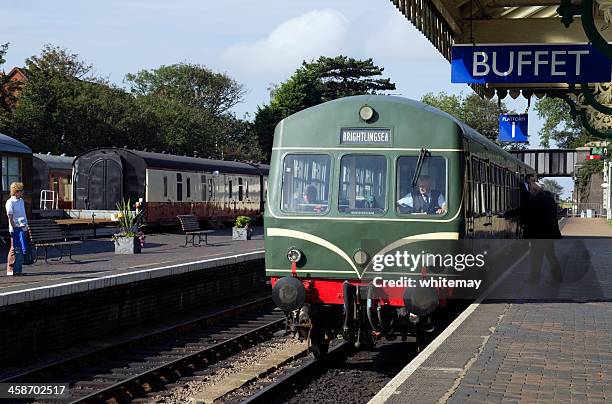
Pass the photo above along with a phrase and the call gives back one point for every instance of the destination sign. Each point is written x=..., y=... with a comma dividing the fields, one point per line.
x=541, y=63
x=365, y=136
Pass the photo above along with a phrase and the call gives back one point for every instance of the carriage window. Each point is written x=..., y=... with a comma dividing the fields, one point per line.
x=211, y=189
x=230, y=189
x=11, y=171
x=67, y=188
x=165, y=186
x=239, y=189
x=428, y=195
x=363, y=181
x=203, y=185
x=305, y=183
x=188, y=187
x=179, y=187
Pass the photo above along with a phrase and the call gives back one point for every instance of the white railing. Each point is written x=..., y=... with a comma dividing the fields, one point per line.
x=48, y=198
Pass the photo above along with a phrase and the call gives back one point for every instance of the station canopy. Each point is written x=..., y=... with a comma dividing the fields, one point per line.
x=446, y=23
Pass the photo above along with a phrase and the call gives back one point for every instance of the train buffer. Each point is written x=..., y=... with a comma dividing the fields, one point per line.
x=46, y=233
x=191, y=228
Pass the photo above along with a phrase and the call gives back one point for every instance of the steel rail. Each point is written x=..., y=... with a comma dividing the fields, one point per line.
x=274, y=390
x=124, y=388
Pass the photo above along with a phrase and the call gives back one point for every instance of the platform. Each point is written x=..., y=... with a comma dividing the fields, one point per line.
x=97, y=265
x=523, y=341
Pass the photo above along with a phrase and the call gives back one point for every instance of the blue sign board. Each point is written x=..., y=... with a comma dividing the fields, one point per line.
x=545, y=63
x=513, y=128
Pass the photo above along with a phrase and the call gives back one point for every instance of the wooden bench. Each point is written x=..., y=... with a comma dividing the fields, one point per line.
x=46, y=233
x=191, y=227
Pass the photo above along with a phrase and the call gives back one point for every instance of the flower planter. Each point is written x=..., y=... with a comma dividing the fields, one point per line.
x=241, y=233
x=127, y=245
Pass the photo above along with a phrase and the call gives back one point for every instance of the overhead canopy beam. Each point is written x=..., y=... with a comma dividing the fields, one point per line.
x=526, y=30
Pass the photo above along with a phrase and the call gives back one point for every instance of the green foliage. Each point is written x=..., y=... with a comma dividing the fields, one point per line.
x=192, y=85
x=559, y=125
x=56, y=61
x=127, y=220
x=242, y=221
x=180, y=109
x=552, y=186
x=589, y=168
x=315, y=82
x=480, y=114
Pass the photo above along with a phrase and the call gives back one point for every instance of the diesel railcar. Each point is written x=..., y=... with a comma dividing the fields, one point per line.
x=344, y=181
x=168, y=185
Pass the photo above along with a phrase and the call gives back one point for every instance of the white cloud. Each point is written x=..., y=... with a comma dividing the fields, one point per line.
x=400, y=40
x=315, y=33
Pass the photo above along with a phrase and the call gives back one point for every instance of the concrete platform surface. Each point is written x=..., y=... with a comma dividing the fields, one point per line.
x=162, y=255
x=526, y=341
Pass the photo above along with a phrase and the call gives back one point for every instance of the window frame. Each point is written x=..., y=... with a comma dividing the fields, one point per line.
x=330, y=191
x=386, y=184
x=397, y=188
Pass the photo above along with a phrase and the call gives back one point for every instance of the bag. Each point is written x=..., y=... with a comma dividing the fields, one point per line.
x=30, y=255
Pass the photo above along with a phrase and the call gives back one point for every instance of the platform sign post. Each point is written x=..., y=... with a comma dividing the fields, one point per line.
x=513, y=128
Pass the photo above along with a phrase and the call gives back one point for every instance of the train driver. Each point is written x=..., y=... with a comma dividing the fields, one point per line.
x=423, y=199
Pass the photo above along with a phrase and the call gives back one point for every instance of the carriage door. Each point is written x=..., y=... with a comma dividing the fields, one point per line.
x=468, y=191
x=105, y=183
x=488, y=185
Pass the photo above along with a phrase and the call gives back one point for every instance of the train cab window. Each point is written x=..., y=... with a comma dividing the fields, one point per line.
x=165, y=186
x=188, y=187
x=422, y=190
x=305, y=183
x=363, y=185
x=179, y=187
x=11, y=171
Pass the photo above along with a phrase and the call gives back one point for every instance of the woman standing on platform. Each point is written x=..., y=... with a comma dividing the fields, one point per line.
x=18, y=227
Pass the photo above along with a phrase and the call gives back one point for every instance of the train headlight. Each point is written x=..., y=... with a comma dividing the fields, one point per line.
x=361, y=257
x=288, y=293
x=366, y=113
x=294, y=255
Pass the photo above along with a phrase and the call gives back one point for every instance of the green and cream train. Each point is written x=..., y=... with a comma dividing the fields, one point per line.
x=355, y=178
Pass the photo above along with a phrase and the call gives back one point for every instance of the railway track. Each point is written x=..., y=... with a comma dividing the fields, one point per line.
x=355, y=376
x=151, y=363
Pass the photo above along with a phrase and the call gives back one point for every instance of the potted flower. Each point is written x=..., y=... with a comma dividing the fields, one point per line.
x=241, y=229
x=129, y=239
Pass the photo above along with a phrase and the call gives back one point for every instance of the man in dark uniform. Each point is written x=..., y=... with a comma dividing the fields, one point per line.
x=423, y=199
x=542, y=228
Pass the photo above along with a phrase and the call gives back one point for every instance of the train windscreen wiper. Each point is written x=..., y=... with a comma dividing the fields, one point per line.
x=417, y=172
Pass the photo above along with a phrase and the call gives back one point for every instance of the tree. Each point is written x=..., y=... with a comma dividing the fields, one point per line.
x=559, y=124
x=55, y=61
x=190, y=84
x=62, y=108
x=478, y=113
x=313, y=83
x=552, y=186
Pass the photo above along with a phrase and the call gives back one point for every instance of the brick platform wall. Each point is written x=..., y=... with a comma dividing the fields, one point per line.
x=60, y=322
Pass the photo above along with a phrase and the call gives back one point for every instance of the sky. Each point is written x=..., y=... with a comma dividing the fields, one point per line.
x=258, y=43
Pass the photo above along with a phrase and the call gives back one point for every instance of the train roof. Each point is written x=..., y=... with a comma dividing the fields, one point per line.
x=335, y=108
x=11, y=145
x=175, y=162
x=55, y=162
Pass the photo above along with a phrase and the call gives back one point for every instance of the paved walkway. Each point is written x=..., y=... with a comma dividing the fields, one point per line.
x=96, y=258
x=527, y=342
